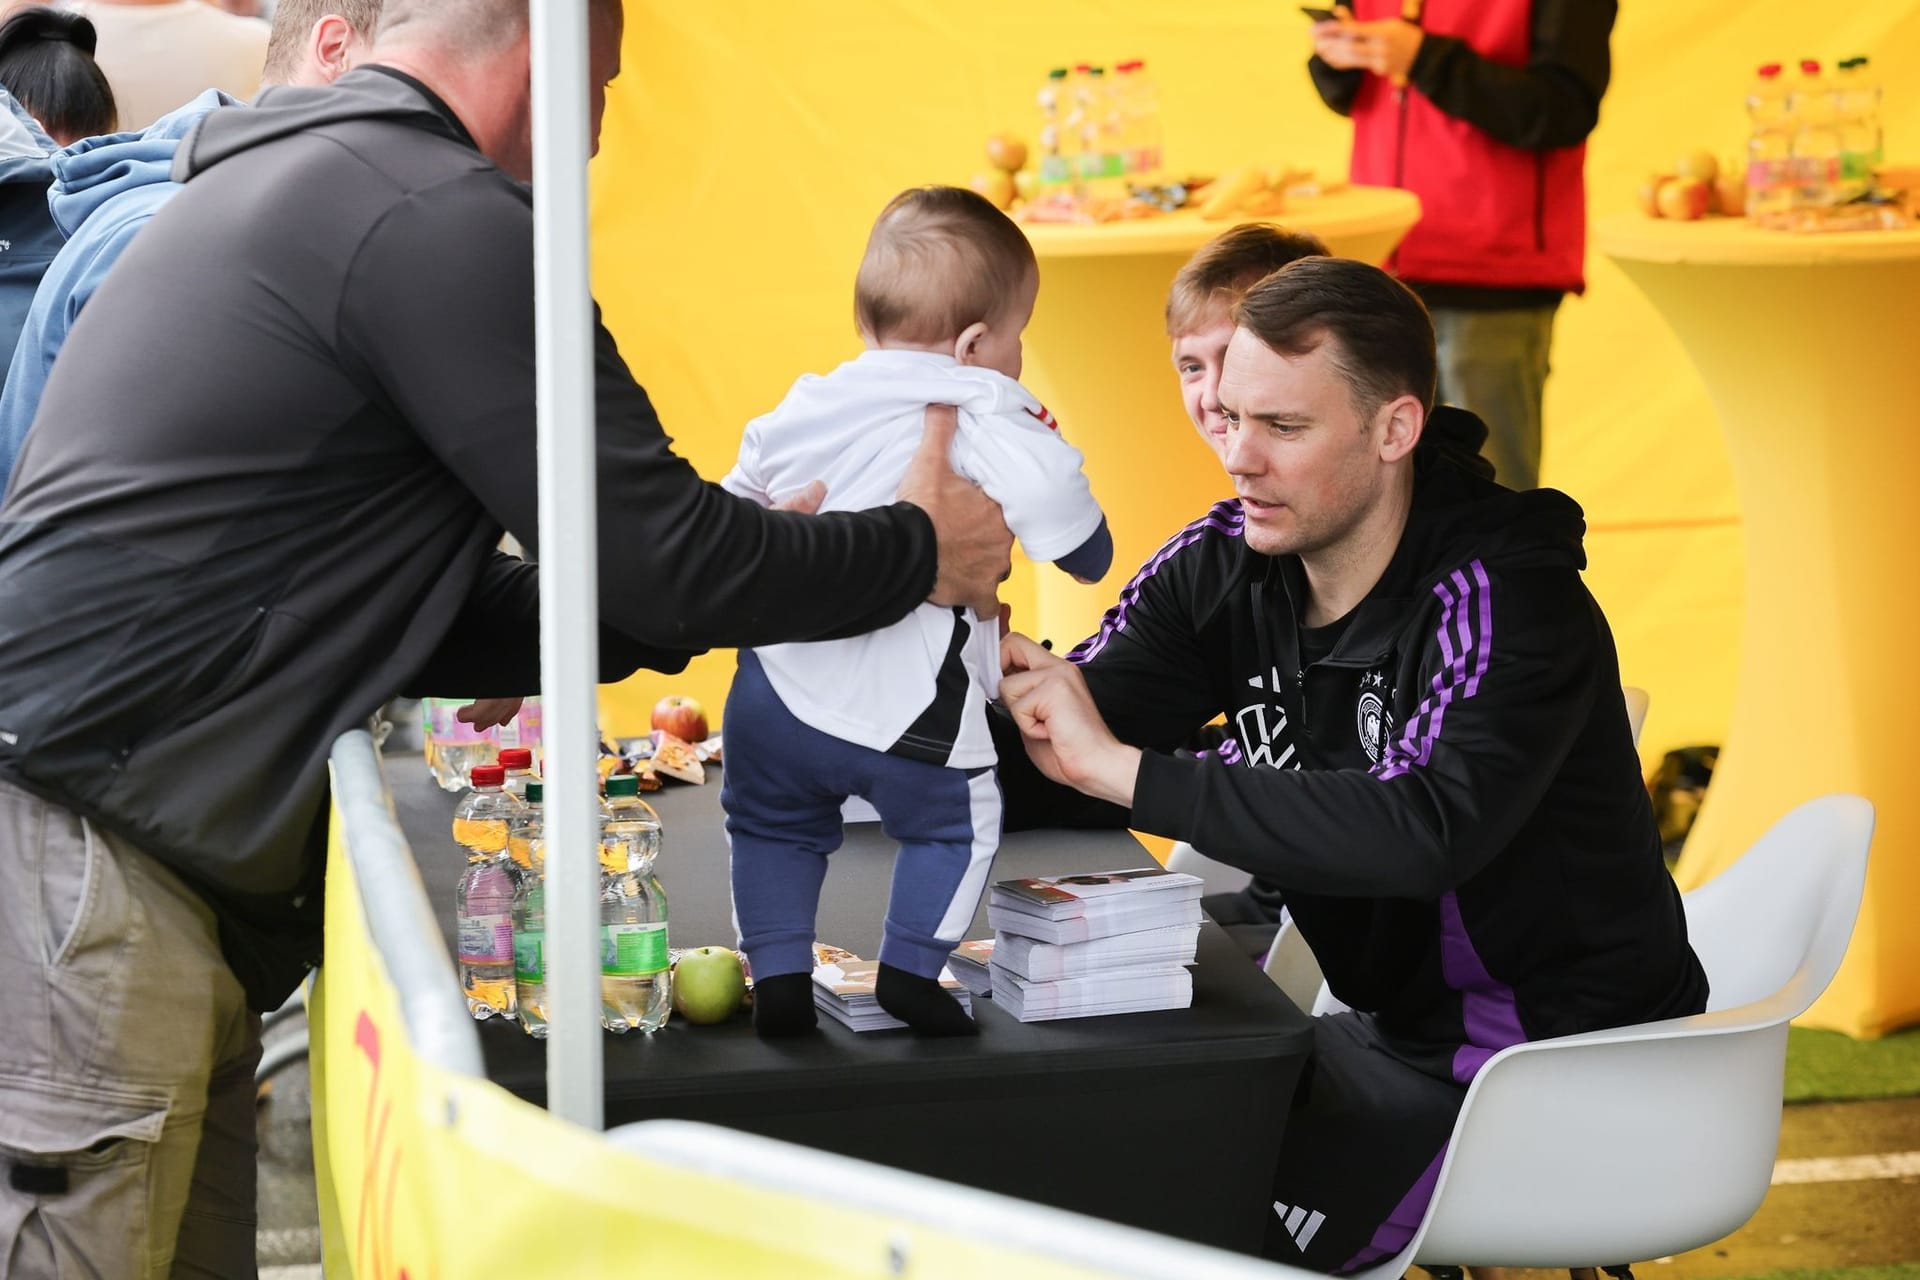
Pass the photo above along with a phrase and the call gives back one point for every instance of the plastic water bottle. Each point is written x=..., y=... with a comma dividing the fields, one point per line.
x=530, y=942
x=518, y=762
x=629, y=828
x=523, y=829
x=483, y=901
x=1056, y=144
x=636, y=985
x=453, y=745
x=1857, y=116
x=1769, y=148
x=1816, y=142
x=1146, y=107
x=526, y=729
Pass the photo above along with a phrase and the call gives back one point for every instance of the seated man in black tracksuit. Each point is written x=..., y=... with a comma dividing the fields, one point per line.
x=1433, y=761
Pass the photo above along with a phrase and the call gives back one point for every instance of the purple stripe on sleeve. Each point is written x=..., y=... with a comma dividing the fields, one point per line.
x=1226, y=519
x=1392, y=1235
x=1488, y=1009
x=1460, y=670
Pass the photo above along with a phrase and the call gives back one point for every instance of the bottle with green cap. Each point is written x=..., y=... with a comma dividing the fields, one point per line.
x=636, y=984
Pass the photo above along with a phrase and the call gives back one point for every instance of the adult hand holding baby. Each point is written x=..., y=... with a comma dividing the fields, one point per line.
x=975, y=546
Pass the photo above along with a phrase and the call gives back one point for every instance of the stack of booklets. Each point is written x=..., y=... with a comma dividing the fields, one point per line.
x=844, y=990
x=969, y=963
x=1081, y=946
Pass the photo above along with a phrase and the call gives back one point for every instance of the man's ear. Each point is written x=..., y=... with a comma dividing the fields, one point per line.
x=966, y=348
x=1401, y=423
x=333, y=41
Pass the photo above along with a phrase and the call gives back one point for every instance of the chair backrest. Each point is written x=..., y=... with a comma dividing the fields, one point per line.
x=1215, y=877
x=1661, y=1137
x=1782, y=915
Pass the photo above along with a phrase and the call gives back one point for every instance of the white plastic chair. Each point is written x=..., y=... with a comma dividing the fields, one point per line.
x=1644, y=1141
x=1215, y=877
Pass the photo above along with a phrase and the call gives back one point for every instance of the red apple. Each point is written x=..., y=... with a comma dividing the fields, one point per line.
x=1683, y=200
x=681, y=716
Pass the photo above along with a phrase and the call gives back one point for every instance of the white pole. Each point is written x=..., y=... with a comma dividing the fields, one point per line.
x=569, y=570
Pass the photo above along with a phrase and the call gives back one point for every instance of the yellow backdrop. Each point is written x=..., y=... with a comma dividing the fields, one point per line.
x=749, y=145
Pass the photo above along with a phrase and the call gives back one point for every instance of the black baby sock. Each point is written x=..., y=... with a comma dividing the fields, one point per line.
x=921, y=1004
x=783, y=1005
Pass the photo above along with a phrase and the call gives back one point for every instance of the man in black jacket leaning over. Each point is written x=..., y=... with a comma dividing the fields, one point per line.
x=1430, y=751
x=235, y=532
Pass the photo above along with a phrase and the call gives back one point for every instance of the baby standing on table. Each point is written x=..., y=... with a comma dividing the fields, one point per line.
x=896, y=716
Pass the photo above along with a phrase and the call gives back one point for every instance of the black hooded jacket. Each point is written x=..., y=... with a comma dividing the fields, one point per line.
x=1449, y=797
x=265, y=482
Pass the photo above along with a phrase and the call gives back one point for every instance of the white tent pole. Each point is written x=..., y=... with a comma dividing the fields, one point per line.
x=569, y=569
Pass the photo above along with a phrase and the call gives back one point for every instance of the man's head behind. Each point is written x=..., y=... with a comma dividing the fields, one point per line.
x=301, y=51
x=1200, y=311
x=943, y=270
x=1326, y=387
x=1206, y=290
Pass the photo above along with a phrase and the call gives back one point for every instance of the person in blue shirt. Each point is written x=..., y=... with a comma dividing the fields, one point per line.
x=105, y=190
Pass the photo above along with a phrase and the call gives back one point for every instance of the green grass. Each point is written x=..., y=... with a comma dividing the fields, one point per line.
x=1891, y=1271
x=1826, y=1066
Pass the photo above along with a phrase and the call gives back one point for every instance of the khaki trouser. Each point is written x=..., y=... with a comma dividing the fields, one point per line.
x=127, y=1140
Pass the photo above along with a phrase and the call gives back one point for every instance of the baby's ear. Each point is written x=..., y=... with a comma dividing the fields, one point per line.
x=966, y=347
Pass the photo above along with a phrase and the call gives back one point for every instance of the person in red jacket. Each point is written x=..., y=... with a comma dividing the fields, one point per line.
x=1482, y=109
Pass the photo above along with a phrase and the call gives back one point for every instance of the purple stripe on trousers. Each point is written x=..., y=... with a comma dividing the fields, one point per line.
x=1488, y=1009
x=1225, y=518
x=1392, y=1235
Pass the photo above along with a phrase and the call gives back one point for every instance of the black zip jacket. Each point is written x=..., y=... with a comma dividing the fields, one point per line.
x=1450, y=799
x=264, y=485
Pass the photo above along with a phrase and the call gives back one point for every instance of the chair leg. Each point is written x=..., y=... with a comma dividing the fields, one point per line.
x=1583, y=1273
x=1621, y=1272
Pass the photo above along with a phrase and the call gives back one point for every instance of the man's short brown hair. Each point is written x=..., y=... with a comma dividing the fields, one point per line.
x=1216, y=277
x=939, y=259
x=293, y=22
x=1381, y=335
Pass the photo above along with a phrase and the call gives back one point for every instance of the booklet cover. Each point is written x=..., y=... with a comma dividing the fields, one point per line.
x=1103, y=919
x=1067, y=896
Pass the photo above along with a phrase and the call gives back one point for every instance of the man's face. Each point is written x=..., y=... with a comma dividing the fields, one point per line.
x=1307, y=468
x=606, y=24
x=606, y=27
x=1197, y=359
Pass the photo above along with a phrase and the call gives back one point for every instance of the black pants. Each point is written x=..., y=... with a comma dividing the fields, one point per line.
x=1364, y=1141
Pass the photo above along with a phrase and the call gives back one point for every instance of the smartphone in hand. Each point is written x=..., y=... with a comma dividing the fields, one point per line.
x=1320, y=15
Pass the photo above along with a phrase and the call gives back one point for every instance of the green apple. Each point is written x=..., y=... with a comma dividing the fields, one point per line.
x=708, y=985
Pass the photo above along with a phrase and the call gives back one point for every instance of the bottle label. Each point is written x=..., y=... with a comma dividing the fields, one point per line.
x=529, y=957
x=633, y=950
x=486, y=940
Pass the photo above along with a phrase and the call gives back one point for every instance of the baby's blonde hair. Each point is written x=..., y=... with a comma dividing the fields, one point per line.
x=939, y=260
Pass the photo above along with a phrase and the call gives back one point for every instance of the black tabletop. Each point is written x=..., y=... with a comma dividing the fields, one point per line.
x=1198, y=1094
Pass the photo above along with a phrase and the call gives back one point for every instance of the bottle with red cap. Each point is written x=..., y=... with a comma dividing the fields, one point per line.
x=518, y=762
x=1816, y=139
x=1769, y=148
x=483, y=901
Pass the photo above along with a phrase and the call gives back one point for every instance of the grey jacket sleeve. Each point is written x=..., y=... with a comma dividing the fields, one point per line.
x=504, y=607
x=438, y=311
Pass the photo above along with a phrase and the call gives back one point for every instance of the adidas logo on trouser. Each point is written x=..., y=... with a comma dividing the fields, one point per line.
x=1300, y=1223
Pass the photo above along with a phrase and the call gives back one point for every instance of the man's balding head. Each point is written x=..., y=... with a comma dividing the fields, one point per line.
x=476, y=55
